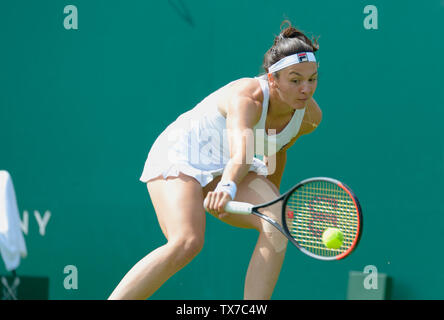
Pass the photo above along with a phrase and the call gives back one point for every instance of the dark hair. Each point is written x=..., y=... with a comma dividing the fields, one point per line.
x=289, y=41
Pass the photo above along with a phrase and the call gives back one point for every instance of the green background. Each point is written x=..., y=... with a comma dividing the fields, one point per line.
x=79, y=110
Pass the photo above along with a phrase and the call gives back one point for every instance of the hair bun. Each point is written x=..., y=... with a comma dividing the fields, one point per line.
x=288, y=32
x=291, y=32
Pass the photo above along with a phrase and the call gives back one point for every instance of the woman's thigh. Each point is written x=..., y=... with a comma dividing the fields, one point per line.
x=178, y=205
x=255, y=189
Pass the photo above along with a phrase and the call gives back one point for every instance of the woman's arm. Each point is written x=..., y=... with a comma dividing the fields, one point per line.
x=280, y=159
x=242, y=114
x=276, y=169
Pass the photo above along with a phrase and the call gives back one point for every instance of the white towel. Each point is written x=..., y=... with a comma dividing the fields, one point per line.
x=12, y=242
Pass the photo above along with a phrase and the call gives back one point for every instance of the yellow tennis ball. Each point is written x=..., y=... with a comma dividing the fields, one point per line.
x=332, y=238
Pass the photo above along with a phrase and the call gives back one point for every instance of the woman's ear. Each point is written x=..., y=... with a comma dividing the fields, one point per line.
x=272, y=81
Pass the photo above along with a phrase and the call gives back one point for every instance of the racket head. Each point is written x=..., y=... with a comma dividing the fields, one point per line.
x=314, y=205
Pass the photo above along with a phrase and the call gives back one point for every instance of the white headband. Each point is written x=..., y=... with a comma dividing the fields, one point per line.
x=293, y=59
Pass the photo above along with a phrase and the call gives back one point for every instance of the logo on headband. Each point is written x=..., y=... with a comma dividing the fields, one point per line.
x=302, y=57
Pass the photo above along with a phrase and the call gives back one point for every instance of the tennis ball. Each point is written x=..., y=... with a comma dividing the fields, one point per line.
x=332, y=238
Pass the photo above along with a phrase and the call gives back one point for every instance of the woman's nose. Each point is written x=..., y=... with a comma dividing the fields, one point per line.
x=305, y=88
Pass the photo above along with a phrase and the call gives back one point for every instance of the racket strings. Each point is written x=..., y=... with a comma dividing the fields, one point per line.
x=316, y=206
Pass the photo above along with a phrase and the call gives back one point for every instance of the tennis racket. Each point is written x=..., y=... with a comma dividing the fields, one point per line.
x=308, y=209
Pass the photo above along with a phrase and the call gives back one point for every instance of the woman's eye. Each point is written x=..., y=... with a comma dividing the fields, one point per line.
x=311, y=80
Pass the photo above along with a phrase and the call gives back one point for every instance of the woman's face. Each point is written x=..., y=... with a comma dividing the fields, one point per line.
x=297, y=83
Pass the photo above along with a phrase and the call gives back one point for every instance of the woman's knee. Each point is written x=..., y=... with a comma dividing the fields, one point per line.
x=186, y=247
x=273, y=238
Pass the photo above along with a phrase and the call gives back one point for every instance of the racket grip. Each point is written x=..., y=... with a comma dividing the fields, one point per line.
x=235, y=207
x=238, y=207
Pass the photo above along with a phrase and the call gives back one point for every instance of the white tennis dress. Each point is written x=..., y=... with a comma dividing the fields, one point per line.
x=196, y=143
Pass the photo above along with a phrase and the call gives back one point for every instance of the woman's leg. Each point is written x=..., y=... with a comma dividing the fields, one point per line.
x=269, y=253
x=178, y=205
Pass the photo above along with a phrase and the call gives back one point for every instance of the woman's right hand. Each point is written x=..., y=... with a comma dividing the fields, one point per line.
x=215, y=203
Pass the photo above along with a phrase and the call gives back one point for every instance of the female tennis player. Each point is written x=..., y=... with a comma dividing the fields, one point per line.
x=211, y=153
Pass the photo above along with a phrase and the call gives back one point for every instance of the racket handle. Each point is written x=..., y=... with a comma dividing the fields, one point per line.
x=235, y=207
x=238, y=207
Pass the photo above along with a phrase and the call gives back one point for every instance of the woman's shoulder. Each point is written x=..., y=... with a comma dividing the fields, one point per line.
x=243, y=89
x=248, y=87
x=312, y=117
